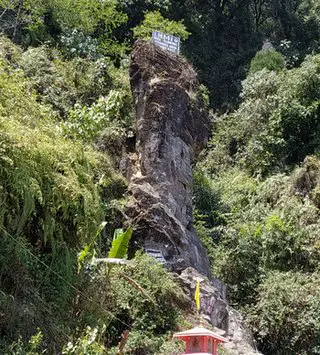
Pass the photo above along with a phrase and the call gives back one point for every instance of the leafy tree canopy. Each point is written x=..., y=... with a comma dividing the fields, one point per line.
x=268, y=59
x=154, y=21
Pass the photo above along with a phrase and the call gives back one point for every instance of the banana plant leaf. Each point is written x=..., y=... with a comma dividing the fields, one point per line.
x=120, y=243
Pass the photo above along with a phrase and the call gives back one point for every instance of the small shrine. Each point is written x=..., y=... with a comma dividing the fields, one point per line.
x=200, y=340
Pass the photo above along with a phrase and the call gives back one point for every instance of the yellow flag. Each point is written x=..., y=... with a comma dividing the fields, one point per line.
x=197, y=295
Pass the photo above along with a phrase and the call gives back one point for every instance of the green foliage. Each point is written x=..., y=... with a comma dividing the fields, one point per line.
x=290, y=53
x=276, y=124
x=310, y=10
x=120, y=243
x=216, y=48
x=225, y=35
x=17, y=99
x=37, y=21
x=16, y=14
x=33, y=295
x=155, y=21
x=63, y=83
x=206, y=200
x=53, y=194
x=136, y=9
x=140, y=297
x=256, y=210
x=265, y=245
x=31, y=348
x=151, y=318
x=8, y=51
x=172, y=347
x=88, y=252
x=286, y=316
x=108, y=114
x=44, y=177
x=268, y=59
x=86, y=16
x=205, y=94
x=89, y=343
x=77, y=44
x=273, y=226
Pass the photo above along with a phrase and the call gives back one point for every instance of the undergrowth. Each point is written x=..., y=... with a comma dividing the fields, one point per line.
x=59, y=194
x=257, y=205
x=54, y=193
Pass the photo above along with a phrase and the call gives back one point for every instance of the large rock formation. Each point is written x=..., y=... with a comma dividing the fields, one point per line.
x=172, y=127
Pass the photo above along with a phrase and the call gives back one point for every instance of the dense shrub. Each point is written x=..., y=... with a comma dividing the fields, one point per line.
x=256, y=195
x=36, y=22
x=267, y=59
x=277, y=123
x=49, y=171
x=76, y=44
x=286, y=318
x=62, y=83
x=207, y=202
x=53, y=194
x=109, y=114
x=140, y=297
x=55, y=191
x=273, y=226
x=260, y=170
x=154, y=21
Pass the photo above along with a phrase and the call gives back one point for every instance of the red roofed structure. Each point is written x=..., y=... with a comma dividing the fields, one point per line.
x=200, y=341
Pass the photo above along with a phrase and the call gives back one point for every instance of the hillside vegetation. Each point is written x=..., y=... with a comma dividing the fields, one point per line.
x=65, y=113
x=257, y=201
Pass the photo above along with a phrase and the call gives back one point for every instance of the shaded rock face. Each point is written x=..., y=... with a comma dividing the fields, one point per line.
x=172, y=127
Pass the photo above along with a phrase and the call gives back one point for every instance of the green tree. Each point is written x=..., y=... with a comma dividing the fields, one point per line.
x=276, y=125
x=286, y=317
x=215, y=47
x=155, y=21
x=269, y=59
x=36, y=21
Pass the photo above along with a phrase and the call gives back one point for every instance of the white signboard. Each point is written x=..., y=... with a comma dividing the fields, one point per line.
x=156, y=254
x=169, y=42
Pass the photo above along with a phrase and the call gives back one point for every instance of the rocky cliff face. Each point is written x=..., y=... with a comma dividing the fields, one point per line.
x=172, y=127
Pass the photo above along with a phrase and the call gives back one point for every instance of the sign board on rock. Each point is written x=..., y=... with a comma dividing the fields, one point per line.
x=169, y=42
x=156, y=254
